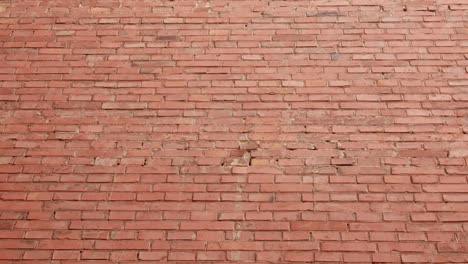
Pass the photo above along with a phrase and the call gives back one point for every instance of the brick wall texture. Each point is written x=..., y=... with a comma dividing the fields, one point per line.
x=185, y=131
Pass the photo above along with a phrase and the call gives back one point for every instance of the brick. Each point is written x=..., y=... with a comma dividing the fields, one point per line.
x=211, y=256
x=445, y=188
x=348, y=246
x=181, y=256
x=356, y=257
x=452, y=247
x=321, y=226
x=66, y=255
x=37, y=255
x=268, y=256
x=117, y=245
x=10, y=254
x=152, y=255
x=65, y=245
x=292, y=256
x=94, y=255
x=123, y=255
x=458, y=153
x=403, y=247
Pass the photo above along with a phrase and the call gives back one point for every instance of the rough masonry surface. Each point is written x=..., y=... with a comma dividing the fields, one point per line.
x=159, y=131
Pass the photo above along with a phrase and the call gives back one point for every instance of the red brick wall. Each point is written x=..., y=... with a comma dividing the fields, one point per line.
x=234, y=131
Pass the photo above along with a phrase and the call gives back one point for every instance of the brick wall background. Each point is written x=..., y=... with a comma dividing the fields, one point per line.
x=234, y=131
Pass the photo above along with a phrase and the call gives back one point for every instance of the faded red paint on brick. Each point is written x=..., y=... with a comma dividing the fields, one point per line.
x=263, y=131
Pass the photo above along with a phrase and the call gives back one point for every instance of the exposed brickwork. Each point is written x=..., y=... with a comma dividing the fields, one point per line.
x=234, y=131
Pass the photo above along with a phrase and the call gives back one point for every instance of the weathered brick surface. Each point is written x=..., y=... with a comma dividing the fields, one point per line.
x=326, y=131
